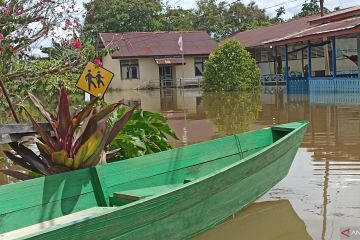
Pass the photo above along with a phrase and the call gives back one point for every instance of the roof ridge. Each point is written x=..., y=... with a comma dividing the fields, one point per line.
x=153, y=32
x=271, y=25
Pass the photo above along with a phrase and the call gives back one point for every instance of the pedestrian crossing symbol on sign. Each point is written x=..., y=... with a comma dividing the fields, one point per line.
x=95, y=80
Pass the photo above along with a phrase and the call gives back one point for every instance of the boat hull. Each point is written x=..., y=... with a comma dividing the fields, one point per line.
x=186, y=211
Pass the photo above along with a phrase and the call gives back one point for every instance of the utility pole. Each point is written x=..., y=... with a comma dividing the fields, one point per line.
x=322, y=7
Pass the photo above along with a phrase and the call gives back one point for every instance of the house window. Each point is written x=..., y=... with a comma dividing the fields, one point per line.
x=199, y=65
x=130, y=69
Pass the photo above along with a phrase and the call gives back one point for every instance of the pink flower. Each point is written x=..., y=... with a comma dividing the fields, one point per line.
x=7, y=10
x=76, y=43
x=67, y=23
x=19, y=10
x=98, y=62
x=1, y=37
x=1, y=49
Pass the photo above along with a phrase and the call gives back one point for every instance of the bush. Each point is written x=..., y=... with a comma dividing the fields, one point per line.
x=230, y=68
x=145, y=133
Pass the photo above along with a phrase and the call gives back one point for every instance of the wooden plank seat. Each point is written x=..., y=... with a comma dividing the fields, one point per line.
x=125, y=197
x=56, y=222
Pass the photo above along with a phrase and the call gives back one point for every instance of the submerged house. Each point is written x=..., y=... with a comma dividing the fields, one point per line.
x=317, y=52
x=156, y=59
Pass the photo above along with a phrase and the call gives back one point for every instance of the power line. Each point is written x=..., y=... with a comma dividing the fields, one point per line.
x=280, y=4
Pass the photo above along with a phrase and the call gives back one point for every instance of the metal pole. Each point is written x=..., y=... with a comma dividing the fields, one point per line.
x=333, y=41
x=9, y=101
x=322, y=8
x=309, y=61
x=358, y=54
x=287, y=66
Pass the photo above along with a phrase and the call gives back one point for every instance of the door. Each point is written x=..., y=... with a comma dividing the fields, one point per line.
x=165, y=74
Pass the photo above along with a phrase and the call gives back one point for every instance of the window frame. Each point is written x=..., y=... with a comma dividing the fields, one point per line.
x=203, y=59
x=129, y=63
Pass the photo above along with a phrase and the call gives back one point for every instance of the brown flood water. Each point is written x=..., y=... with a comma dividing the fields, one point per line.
x=321, y=193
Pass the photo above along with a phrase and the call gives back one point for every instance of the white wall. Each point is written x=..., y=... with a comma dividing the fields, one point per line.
x=149, y=72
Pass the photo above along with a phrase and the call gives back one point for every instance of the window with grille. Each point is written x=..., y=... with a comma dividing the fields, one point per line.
x=199, y=65
x=129, y=69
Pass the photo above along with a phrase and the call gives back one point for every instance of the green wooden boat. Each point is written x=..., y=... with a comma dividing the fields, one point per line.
x=174, y=194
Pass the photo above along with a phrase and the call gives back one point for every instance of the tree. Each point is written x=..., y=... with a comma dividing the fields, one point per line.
x=210, y=16
x=121, y=16
x=244, y=17
x=177, y=19
x=24, y=23
x=279, y=12
x=310, y=8
x=230, y=68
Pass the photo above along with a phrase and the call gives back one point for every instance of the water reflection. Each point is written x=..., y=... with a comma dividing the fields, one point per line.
x=257, y=222
x=232, y=112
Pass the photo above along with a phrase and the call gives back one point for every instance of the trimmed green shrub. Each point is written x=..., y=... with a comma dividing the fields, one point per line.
x=230, y=68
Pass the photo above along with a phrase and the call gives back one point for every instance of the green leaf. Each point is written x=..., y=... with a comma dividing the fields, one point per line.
x=60, y=157
x=118, y=126
x=88, y=149
x=47, y=115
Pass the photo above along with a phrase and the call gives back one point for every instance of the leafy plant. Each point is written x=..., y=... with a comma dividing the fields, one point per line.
x=231, y=68
x=79, y=141
x=145, y=133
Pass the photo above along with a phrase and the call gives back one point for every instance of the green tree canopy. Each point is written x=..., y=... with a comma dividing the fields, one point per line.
x=310, y=8
x=177, y=19
x=244, y=17
x=230, y=68
x=122, y=16
x=210, y=16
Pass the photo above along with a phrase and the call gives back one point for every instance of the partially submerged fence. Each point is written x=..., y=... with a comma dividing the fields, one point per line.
x=14, y=132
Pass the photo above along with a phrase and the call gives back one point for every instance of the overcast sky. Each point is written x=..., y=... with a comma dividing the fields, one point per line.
x=291, y=6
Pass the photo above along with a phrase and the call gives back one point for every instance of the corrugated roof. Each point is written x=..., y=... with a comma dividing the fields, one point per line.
x=337, y=15
x=343, y=27
x=141, y=44
x=257, y=37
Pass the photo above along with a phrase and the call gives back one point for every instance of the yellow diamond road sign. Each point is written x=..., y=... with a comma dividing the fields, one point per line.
x=95, y=80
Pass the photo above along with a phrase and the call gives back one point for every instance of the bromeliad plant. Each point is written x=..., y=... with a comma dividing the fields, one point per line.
x=80, y=139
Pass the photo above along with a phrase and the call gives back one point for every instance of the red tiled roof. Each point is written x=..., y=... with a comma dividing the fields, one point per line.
x=343, y=27
x=141, y=44
x=257, y=37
